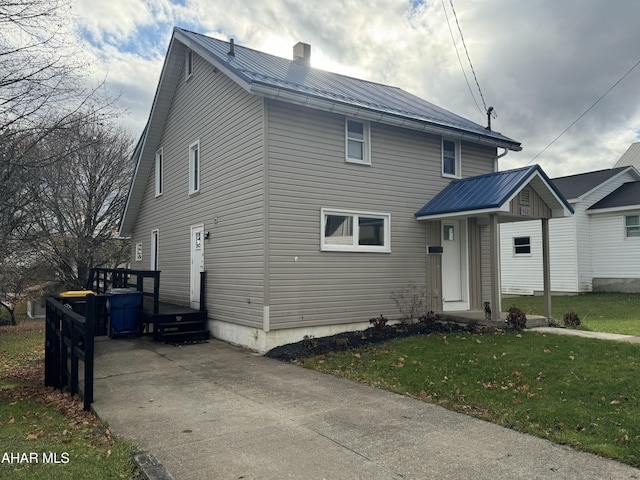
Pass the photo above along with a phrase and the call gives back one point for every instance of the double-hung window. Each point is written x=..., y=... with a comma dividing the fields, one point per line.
x=357, y=142
x=451, y=158
x=194, y=167
x=631, y=226
x=351, y=231
x=522, y=245
x=159, y=173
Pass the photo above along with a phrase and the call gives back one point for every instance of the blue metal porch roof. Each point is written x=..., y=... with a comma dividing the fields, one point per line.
x=485, y=192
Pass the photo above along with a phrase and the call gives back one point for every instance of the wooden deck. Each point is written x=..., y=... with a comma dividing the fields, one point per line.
x=165, y=308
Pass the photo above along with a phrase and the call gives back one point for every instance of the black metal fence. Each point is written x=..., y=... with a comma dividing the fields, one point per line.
x=69, y=340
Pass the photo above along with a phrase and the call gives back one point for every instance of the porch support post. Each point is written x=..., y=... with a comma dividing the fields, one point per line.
x=546, y=269
x=494, y=267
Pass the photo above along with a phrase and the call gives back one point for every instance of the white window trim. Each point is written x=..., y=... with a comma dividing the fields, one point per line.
x=159, y=170
x=458, y=161
x=354, y=247
x=195, y=166
x=366, y=133
x=626, y=227
x=188, y=64
x=513, y=244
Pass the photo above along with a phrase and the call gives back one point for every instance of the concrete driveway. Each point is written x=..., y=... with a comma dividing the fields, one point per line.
x=215, y=411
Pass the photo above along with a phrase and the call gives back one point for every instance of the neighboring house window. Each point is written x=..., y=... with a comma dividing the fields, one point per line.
x=194, y=167
x=159, y=173
x=451, y=158
x=632, y=226
x=346, y=230
x=188, y=64
x=357, y=142
x=522, y=245
x=154, y=249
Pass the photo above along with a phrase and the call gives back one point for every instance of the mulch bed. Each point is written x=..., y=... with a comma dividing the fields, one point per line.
x=311, y=346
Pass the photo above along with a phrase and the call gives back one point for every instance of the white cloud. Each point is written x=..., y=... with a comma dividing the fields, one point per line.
x=539, y=64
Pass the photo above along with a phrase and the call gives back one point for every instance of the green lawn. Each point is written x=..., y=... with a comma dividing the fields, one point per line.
x=598, y=312
x=571, y=390
x=44, y=433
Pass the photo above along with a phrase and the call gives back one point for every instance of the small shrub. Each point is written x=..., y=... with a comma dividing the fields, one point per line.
x=411, y=301
x=516, y=319
x=571, y=319
x=379, y=323
x=309, y=342
x=430, y=318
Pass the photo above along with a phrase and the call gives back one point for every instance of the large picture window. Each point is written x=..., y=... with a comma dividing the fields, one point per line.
x=632, y=226
x=357, y=142
x=345, y=230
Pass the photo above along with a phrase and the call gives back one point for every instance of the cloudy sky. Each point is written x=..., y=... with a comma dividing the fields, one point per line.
x=541, y=64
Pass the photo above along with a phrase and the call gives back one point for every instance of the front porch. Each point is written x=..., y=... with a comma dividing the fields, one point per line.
x=462, y=232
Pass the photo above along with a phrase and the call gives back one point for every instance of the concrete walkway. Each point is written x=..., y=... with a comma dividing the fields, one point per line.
x=215, y=411
x=582, y=333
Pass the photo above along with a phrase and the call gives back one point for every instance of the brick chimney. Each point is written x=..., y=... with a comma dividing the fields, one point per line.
x=302, y=53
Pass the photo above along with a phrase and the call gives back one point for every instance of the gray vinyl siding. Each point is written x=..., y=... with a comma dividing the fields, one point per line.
x=307, y=172
x=227, y=121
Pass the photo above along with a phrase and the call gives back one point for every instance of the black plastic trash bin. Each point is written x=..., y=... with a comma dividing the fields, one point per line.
x=76, y=299
x=124, y=311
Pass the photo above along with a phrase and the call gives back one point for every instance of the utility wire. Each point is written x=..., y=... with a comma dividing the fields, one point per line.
x=468, y=57
x=585, y=112
x=466, y=79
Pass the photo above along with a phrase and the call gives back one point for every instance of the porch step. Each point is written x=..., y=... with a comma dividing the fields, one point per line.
x=185, y=336
x=182, y=327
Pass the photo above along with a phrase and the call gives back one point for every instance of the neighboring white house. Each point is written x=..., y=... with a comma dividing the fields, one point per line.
x=597, y=249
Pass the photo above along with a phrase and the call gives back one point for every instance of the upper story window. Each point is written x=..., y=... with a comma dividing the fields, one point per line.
x=632, y=226
x=451, y=158
x=188, y=67
x=194, y=167
x=522, y=245
x=357, y=142
x=159, y=173
x=349, y=231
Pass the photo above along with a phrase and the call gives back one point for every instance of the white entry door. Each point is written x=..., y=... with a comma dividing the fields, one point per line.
x=453, y=265
x=197, y=263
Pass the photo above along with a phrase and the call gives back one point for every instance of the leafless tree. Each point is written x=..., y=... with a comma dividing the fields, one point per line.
x=43, y=93
x=80, y=199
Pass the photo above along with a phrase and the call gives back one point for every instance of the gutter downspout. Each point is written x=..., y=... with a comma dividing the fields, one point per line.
x=498, y=157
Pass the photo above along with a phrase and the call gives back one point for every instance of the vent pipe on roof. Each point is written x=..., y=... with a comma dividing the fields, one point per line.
x=302, y=53
x=232, y=51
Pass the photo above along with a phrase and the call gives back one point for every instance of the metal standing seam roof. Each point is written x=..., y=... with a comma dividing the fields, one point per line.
x=259, y=68
x=484, y=192
x=627, y=195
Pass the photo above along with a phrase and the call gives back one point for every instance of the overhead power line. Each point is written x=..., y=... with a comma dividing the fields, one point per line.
x=466, y=79
x=585, y=112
